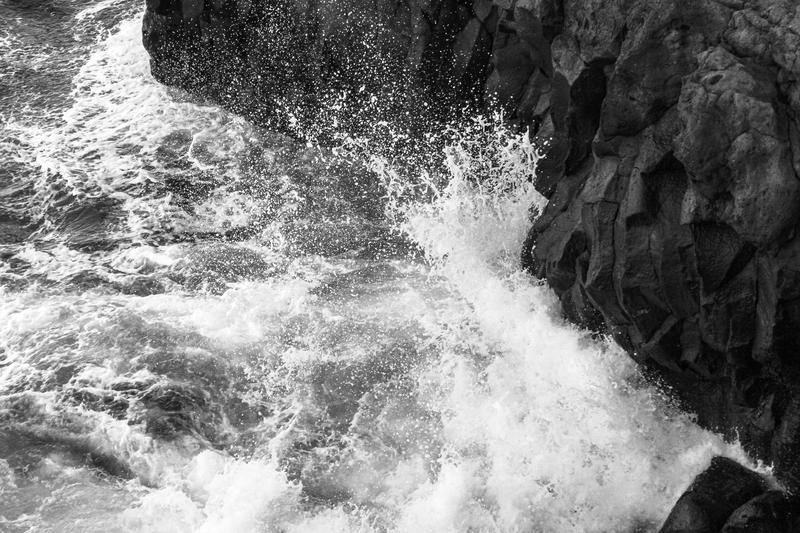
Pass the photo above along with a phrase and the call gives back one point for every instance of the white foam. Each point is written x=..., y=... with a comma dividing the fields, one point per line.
x=244, y=314
x=221, y=494
x=505, y=419
x=93, y=10
x=553, y=434
x=108, y=144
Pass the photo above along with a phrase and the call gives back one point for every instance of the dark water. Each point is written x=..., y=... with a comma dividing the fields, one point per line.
x=205, y=326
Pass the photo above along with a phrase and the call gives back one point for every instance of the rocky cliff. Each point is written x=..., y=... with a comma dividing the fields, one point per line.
x=676, y=229
x=672, y=169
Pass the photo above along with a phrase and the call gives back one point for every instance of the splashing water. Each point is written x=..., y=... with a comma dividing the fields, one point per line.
x=210, y=328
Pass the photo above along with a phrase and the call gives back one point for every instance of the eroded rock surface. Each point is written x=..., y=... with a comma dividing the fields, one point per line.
x=672, y=171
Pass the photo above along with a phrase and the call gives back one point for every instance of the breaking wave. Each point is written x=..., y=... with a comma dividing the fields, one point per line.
x=210, y=327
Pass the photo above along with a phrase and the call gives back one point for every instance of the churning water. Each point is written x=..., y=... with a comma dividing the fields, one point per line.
x=208, y=327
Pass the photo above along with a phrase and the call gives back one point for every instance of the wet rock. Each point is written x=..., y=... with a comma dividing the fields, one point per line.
x=771, y=512
x=421, y=61
x=730, y=498
x=713, y=497
x=680, y=229
x=236, y=53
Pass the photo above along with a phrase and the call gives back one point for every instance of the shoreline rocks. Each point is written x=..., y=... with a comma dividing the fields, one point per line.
x=729, y=498
x=672, y=170
x=676, y=234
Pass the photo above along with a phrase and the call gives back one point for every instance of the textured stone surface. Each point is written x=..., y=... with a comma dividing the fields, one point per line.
x=672, y=172
x=679, y=227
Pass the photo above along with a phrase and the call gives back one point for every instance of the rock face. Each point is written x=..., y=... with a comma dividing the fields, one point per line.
x=672, y=172
x=321, y=66
x=677, y=230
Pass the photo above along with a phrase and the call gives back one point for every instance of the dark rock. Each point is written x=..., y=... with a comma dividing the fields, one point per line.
x=286, y=63
x=679, y=227
x=713, y=497
x=771, y=512
x=730, y=498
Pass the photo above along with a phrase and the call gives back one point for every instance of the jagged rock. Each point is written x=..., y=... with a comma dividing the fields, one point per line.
x=679, y=229
x=672, y=174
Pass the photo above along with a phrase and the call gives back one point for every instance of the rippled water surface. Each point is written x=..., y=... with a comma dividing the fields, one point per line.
x=205, y=326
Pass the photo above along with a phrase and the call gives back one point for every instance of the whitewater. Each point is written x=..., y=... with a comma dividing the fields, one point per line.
x=210, y=327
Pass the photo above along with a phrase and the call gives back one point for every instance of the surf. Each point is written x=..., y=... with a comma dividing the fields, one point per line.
x=222, y=329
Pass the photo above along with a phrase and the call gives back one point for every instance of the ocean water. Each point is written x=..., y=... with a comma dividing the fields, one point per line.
x=209, y=327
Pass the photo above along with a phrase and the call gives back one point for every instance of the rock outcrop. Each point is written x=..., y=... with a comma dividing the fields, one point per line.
x=321, y=67
x=672, y=170
x=677, y=231
x=729, y=498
